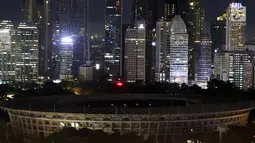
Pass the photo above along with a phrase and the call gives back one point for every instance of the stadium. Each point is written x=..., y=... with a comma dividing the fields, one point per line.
x=160, y=117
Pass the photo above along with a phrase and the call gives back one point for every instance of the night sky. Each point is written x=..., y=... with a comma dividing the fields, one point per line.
x=10, y=9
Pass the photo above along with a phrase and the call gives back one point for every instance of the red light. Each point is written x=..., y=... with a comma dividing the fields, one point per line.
x=119, y=84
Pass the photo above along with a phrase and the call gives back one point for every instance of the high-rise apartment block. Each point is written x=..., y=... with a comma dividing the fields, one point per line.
x=135, y=52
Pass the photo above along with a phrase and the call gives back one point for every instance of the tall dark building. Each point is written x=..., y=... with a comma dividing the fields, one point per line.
x=174, y=7
x=30, y=10
x=45, y=38
x=71, y=23
x=39, y=12
x=195, y=25
x=218, y=34
x=113, y=21
x=147, y=10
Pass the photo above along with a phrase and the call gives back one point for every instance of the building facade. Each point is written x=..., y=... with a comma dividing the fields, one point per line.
x=66, y=58
x=25, y=42
x=135, y=53
x=113, y=21
x=178, y=51
x=7, y=62
x=72, y=20
x=163, y=32
x=195, y=25
x=204, y=61
x=147, y=10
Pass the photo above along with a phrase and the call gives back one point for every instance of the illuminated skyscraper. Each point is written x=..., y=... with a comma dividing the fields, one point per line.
x=178, y=51
x=66, y=58
x=163, y=51
x=135, y=52
x=147, y=10
x=7, y=62
x=204, y=61
x=25, y=42
x=235, y=27
x=72, y=20
x=235, y=56
x=113, y=21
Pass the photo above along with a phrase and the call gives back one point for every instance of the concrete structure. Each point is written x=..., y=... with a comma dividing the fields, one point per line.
x=124, y=114
x=178, y=51
x=163, y=32
x=24, y=47
x=135, y=52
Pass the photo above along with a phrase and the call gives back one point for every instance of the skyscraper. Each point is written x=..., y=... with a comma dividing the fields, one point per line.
x=218, y=36
x=176, y=7
x=163, y=31
x=234, y=55
x=45, y=29
x=147, y=10
x=30, y=11
x=204, y=61
x=178, y=51
x=25, y=42
x=39, y=12
x=7, y=62
x=135, y=52
x=235, y=27
x=113, y=21
x=195, y=26
x=97, y=54
x=72, y=22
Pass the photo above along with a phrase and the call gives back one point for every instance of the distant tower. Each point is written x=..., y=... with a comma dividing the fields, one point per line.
x=72, y=22
x=204, y=61
x=7, y=62
x=235, y=24
x=135, y=52
x=195, y=25
x=218, y=36
x=26, y=53
x=233, y=63
x=178, y=51
x=113, y=21
x=163, y=31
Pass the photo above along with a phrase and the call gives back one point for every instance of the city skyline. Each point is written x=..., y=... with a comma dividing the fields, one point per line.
x=11, y=10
